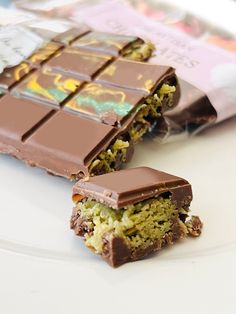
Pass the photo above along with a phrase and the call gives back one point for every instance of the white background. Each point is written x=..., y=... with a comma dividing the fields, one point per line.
x=45, y=269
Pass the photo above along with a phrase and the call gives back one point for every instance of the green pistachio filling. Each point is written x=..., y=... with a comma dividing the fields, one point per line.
x=139, y=51
x=139, y=225
x=106, y=161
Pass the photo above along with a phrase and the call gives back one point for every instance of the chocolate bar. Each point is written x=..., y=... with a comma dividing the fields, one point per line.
x=126, y=215
x=76, y=109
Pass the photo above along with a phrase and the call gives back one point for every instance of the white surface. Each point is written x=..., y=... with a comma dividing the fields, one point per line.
x=45, y=269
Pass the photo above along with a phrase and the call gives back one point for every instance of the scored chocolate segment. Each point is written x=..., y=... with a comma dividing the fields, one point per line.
x=44, y=53
x=107, y=104
x=47, y=86
x=17, y=118
x=66, y=144
x=112, y=44
x=78, y=63
x=10, y=76
x=72, y=34
x=144, y=77
x=118, y=189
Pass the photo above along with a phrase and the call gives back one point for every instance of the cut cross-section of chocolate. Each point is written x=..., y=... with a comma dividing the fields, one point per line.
x=126, y=215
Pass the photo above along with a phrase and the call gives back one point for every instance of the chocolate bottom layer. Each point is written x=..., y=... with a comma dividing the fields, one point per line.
x=134, y=232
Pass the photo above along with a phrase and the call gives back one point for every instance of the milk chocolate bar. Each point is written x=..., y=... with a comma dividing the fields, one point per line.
x=78, y=111
x=126, y=215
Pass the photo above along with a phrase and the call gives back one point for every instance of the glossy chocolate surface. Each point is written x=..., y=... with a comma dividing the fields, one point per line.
x=43, y=54
x=27, y=115
x=48, y=86
x=11, y=76
x=78, y=63
x=130, y=186
x=108, y=104
x=72, y=34
x=67, y=143
x=112, y=44
x=143, y=76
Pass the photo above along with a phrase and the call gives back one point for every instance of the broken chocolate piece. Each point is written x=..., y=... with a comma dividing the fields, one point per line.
x=92, y=120
x=129, y=214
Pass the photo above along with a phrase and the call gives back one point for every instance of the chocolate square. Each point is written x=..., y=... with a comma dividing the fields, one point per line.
x=106, y=104
x=18, y=117
x=143, y=77
x=78, y=63
x=109, y=43
x=44, y=53
x=47, y=86
x=10, y=76
x=66, y=144
x=71, y=34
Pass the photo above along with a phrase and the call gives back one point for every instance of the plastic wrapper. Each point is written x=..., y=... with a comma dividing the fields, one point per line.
x=207, y=74
x=52, y=8
x=180, y=19
x=43, y=26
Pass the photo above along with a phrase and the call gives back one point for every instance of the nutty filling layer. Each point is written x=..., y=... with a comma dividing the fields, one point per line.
x=118, y=152
x=139, y=225
x=139, y=51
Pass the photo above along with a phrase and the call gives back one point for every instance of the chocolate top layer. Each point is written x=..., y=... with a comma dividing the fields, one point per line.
x=10, y=76
x=44, y=53
x=144, y=77
x=78, y=63
x=106, y=104
x=109, y=43
x=121, y=188
x=71, y=34
x=69, y=143
x=27, y=115
x=48, y=86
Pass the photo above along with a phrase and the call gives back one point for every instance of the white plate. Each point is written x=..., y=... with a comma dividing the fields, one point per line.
x=44, y=268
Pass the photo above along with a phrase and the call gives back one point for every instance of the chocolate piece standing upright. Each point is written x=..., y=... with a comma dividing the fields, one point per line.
x=129, y=214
